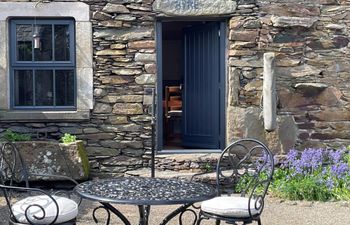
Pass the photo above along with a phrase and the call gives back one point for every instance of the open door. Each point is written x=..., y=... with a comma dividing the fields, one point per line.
x=201, y=90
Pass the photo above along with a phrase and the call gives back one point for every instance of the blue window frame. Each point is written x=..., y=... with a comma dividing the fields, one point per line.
x=42, y=63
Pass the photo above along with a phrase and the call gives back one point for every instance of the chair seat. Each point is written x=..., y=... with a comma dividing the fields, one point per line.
x=68, y=209
x=229, y=206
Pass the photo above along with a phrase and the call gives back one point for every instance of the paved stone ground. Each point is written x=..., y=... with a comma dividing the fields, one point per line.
x=276, y=212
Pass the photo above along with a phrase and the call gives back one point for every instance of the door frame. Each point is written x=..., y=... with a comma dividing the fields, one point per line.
x=222, y=86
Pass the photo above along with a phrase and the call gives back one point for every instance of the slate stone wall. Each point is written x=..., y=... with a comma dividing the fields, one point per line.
x=310, y=39
x=118, y=132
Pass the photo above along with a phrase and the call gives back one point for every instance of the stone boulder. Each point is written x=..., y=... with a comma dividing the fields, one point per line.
x=247, y=123
x=51, y=157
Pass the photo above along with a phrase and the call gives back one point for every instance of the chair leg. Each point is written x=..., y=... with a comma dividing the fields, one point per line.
x=200, y=218
x=259, y=221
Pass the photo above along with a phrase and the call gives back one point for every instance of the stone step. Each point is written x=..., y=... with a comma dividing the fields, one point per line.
x=146, y=172
x=209, y=177
x=182, y=166
x=195, y=162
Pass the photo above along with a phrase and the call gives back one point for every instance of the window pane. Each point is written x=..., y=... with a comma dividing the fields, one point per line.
x=24, y=37
x=64, y=87
x=44, y=52
x=23, y=82
x=43, y=88
x=62, y=43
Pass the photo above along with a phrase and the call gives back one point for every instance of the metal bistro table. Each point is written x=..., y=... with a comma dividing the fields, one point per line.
x=145, y=192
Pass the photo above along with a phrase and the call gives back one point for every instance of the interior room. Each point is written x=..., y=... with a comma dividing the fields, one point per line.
x=173, y=80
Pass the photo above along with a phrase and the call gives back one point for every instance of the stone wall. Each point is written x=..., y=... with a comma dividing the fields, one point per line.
x=118, y=131
x=310, y=39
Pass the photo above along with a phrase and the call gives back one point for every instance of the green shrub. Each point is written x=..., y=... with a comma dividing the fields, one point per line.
x=306, y=188
x=68, y=138
x=11, y=136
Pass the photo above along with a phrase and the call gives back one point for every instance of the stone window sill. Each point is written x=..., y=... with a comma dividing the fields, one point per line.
x=42, y=116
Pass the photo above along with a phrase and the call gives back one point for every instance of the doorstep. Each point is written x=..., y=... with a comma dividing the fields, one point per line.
x=187, y=163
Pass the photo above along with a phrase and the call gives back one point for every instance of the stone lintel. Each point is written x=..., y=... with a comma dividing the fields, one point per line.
x=195, y=7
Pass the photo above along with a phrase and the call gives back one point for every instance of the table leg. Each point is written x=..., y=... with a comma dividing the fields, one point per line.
x=144, y=214
x=180, y=211
x=109, y=208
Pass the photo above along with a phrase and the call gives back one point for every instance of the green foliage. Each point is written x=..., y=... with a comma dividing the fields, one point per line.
x=208, y=167
x=303, y=188
x=84, y=159
x=68, y=138
x=9, y=135
x=247, y=181
x=347, y=157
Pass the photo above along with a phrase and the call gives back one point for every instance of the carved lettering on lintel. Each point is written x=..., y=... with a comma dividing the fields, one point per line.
x=195, y=7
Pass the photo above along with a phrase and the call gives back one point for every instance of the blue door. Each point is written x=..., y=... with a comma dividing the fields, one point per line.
x=201, y=100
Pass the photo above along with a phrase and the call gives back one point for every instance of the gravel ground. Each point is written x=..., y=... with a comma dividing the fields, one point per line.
x=277, y=212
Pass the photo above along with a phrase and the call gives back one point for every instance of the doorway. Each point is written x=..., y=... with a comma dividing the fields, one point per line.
x=191, y=85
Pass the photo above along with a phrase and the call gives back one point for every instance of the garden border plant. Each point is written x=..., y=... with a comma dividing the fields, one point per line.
x=11, y=136
x=315, y=174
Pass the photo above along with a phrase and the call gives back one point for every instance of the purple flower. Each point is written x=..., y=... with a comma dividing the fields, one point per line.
x=312, y=158
x=264, y=163
x=291, y=156
x=325, y=162
x=340, y=170
x=324, y=171
x=309, y=160
x=330, y=184
x=335, y=156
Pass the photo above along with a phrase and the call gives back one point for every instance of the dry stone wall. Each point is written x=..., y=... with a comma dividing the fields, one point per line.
x=118, y=132
x=310, y=39
x=124, y=57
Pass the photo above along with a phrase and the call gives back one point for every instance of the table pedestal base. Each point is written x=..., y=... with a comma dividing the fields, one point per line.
x=144, y=212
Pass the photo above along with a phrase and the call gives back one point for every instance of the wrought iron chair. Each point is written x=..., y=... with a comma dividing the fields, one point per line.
x=40, y=207
x=251, y=162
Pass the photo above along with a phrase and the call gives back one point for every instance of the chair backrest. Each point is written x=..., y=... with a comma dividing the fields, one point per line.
x=12, y=167
x=173, y=99
x=12, y=171
x=248, y=165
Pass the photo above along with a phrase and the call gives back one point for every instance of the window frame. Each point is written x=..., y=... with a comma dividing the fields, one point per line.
x=42, y=65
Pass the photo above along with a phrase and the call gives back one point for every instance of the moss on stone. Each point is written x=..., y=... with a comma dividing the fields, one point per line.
x=84, y=158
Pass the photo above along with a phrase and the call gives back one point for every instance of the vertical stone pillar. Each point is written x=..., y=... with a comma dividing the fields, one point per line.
x=269, y=92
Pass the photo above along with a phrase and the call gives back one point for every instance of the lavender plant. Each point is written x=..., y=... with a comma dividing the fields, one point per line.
x=314, y=174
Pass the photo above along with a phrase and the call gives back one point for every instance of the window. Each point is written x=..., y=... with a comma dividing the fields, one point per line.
x=42, y=64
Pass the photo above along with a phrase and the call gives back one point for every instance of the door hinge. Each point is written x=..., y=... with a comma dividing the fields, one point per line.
x=219, y=33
